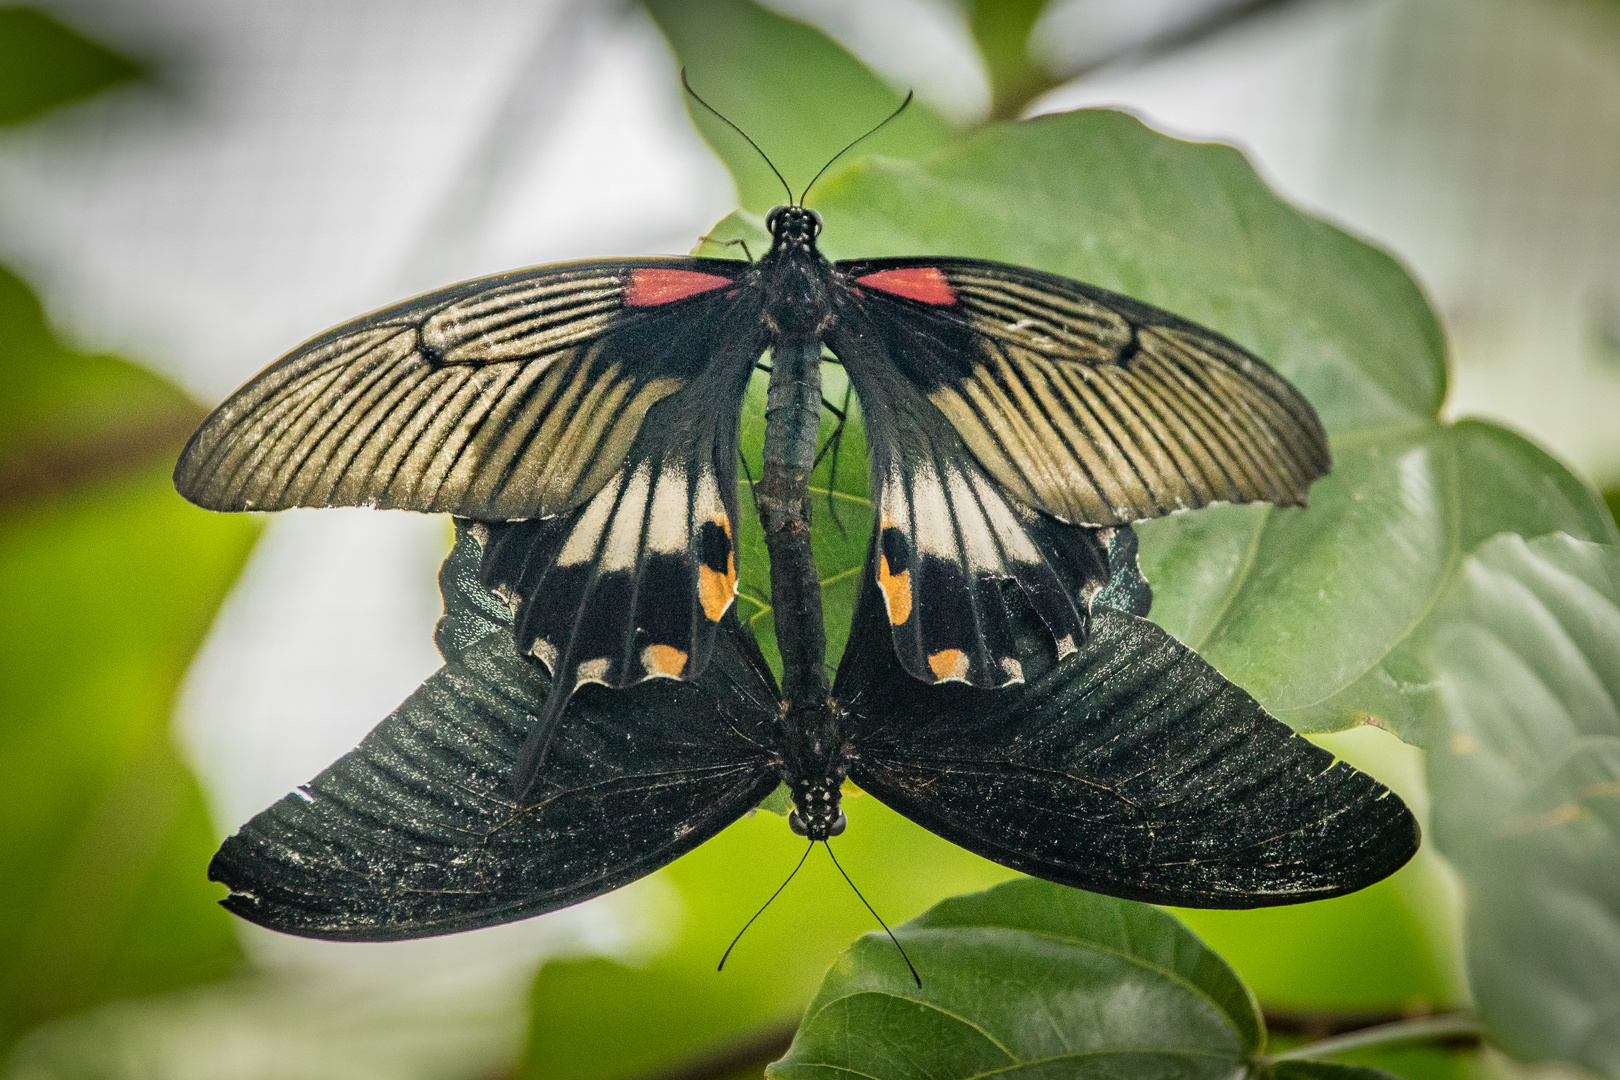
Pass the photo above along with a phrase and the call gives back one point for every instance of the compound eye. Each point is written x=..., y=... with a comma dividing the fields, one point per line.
x=838, y=825
x=796, y=823
x=815, y=219
x=772, y=217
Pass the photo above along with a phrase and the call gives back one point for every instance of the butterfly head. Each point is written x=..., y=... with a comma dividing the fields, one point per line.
x=793, y=227
x=816, y=812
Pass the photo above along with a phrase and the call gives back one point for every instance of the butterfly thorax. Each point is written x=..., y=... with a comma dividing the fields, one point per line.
x=794, y=276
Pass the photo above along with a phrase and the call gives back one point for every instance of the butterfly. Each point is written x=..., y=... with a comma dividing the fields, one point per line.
x=1001, y=685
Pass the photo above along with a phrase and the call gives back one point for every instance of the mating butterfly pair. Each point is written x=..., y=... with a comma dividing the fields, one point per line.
x=1000, y=687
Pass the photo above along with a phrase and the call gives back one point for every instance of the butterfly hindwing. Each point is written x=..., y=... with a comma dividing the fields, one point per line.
x=632, y=585
x=1082, y=403
x=947, y=537
x=515, y=396
x=416, y=832
x=1130, y=767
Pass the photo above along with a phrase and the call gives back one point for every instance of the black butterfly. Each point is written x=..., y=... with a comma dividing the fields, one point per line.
x=583, y=418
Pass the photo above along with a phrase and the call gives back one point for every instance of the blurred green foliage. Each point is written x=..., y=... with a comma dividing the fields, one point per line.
x=108, y=581
x=1002, y=28
x=44, y=64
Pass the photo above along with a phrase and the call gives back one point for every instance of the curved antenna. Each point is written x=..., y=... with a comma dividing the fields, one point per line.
x=909, y=95
x=873, y=910
x=774, y=895
x=757, y=150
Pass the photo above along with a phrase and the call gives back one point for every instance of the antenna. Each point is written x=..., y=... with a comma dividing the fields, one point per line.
x=869, y=907
x=909, y=95
x=757, y=150
x=774, y=895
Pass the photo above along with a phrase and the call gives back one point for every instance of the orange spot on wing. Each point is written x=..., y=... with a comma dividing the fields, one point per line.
x=896, y=591
x=948, y=664
x=663, y=660
x=715, y=590
x=925, y=283
x=649, y=286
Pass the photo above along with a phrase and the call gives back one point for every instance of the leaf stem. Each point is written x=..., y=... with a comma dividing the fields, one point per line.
x=1428, y=1027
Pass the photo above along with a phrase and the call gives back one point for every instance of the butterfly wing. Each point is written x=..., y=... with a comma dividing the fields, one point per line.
x=515, y=396
x=1082, y=403
x=632, y=584
x=947, y=534
x=1131, y=768
x=415, y=832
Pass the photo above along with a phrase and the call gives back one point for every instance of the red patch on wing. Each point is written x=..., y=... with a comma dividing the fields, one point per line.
x=650, y=287
x=925, y=283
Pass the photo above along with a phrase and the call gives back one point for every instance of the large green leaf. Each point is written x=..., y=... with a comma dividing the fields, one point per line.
x=1035, y=979
x=1312, y=611
x=1040, y=980
x=1524, y=764
x=1098, y=196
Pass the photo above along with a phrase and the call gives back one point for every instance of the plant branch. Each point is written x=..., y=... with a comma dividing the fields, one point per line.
x=1453, y=1026
x=759, y=1049
x=44, y=468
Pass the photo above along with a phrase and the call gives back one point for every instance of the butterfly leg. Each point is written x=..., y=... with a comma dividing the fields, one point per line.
x=834, y=443
x=738, y=242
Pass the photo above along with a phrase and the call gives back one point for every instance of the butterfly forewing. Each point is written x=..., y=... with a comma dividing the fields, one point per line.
x=509, y=397
x=1087, y=405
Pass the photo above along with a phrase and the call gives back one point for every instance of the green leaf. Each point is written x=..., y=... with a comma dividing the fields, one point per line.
x=1034, y=977
x=1524, y=764
x=1312, y=611
x=796, y=92
x=1002, y=28
x=108, y=581
x=44, y=64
